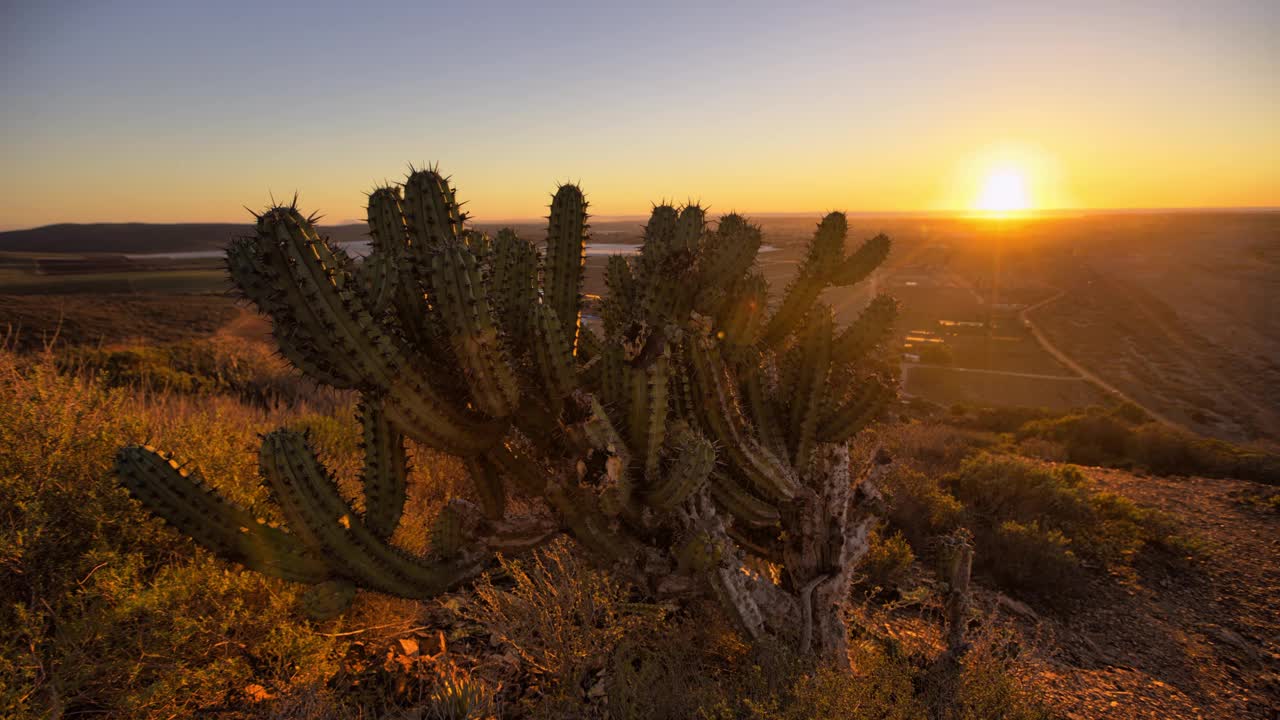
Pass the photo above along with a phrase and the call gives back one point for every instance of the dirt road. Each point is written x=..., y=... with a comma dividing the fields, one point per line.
x=1066, y=360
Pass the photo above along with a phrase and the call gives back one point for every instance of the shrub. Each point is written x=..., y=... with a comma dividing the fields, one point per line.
x=932, y=445
x=561, y=617
x=1028, y=557
x=1032, y=523
x=920, y=507
x=887, y=561
x=1095, y=437
x=1126, y=437
x=989, y=686
x=998, y=419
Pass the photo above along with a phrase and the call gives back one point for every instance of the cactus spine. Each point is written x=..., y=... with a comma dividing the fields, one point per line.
x=693, y=430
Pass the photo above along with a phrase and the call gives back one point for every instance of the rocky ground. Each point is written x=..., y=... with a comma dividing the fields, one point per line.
x=1174, y=640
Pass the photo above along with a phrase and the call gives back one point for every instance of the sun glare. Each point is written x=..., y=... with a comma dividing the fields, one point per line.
x=1004, y=191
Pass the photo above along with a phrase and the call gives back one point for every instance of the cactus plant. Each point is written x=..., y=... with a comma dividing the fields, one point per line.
x=692, y=435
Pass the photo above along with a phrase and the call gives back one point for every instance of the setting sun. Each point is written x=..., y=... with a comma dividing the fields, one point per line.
x=1004, y=191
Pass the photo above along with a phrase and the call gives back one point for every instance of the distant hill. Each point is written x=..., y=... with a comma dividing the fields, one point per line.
x=141, y=237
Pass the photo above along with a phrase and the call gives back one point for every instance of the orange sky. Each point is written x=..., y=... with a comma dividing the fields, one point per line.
x=111, y=114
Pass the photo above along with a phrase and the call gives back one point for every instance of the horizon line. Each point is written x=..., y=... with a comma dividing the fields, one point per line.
x=969, y=214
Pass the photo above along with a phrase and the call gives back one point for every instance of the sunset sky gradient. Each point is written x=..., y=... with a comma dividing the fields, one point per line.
x=187, y=111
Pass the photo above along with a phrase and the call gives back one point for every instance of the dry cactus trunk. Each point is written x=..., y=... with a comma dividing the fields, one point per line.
x=692, y=435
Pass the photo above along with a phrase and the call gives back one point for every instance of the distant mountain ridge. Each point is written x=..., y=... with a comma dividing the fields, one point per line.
x=142, y=237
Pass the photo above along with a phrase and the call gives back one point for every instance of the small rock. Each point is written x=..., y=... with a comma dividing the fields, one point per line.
x=409, y=646
x=1017, y=607
x=1229, y=637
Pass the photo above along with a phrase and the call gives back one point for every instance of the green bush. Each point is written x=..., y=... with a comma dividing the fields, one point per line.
x=998, y=419
x=919, y=507
x=1095, y=437
x=888, y=560
x=1029, y=557
x=1033, y=523
x=1126, y=437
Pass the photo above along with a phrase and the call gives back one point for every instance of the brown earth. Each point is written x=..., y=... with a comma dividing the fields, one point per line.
x=1169, y=641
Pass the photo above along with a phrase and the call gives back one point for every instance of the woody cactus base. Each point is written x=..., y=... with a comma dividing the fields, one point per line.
x=693, y=440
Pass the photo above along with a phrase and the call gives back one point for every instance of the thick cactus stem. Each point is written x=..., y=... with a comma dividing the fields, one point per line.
x=566, y=253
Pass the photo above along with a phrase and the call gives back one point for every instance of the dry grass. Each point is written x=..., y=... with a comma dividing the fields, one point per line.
x=106, y=611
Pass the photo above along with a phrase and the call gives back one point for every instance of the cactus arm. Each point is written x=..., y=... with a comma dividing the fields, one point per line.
x=740, y=502
x=490, y=489
x=412, y=403
x=309, y=497
x=647, y=421
x=299, y=334
x=615, y=381
x=867, y=401
x=462, y=300
x=729, y=252
x=668, y=281
x=720, y=414
x=618, y=306
x=668, y=292
x=432, y=213
x=681, y=393
x=690, y=227
x=552, y=354
x=370, y=354
x=824, y=252
x=379, y=273
x=418, y=410
x=762, y=411
x=515, y=274
x=741, y=318
x=872, y=327
x=182, y=499
x=694, y=459
x=659, y=238
x=806, y=403
x=590, y=346
x=862, y=261
x=352, y=331
x=386, y=470
x=566, y=254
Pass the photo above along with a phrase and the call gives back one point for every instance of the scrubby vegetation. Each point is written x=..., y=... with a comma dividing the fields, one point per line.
x=1035, y=525
x=207, y=366
x=1124, y=437
x=105, y=610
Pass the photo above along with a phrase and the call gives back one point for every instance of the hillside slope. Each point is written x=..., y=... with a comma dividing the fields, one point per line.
x=1162, y=643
